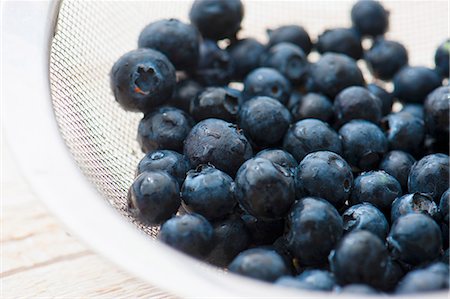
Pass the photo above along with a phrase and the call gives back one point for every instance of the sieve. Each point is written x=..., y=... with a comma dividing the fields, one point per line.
x=77, y=147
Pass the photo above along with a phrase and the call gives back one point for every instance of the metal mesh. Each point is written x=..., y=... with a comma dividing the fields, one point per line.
x=90, y=36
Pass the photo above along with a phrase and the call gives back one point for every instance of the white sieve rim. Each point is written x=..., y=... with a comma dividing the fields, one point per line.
x=32, y=133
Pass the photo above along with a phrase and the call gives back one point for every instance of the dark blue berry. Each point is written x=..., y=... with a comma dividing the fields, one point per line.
x=215, y=102
x=314, y=228
x=264, y=189
x=441, y=58
x=289, y=60
x=370, y=18
x=217, y=20
x=181, y=48
x=398, y=164
x=142, y=79
x=217, y=142
x=377, y=188
x=267, y=82
x=312, y=280
x=326, y=175
x=404, y=131
x=264, y=120
x=424, y=280
x=311, y=135
x=414, y=109
x=413, y=203
x=154, y=197
x=245, y=54
x=215, y=66
x=209, y=192
x=385, y=58
x=361, y=289
x=263, y=232
x=278, y=156
x=436, y=110
x=360, y=257
x=415, y=239
x=185, y=92
x=165, y=128
x=263, y=264
x=386, y=98
x=313, y=105
x=334, y=72
x=189, y=233
x=294, y=34
x=230, y=238
x=413, y=84
x=365, y=216
x=430, y=175
x=357, y=102
x=363, y=143
x=171, y=162
x=340, y=40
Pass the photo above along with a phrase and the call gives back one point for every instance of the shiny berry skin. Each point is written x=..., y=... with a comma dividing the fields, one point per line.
x=267, y=82
x=370, y=18
x=313, y=105
x=154, y=197
x=404, y=131
x=398, y=164
x=142, y=79
x=436, y=111
x=412, y=84
x=366, y=216
x=264, y=189
x=278, y=156
x=189, y=233
x=215, y=102
x=324, y=168
x=314, y=228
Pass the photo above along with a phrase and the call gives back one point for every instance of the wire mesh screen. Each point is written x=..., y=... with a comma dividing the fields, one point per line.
x=90, y=36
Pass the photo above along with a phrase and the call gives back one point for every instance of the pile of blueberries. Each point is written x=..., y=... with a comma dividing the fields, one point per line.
x=306, y=177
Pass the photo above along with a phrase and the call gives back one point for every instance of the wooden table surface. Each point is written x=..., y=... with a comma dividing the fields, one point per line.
x=40, y=258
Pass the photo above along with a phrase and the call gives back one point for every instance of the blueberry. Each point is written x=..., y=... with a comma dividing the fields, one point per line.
x=441, y=58
x=217, y=142
x=363, y=143
x=436, y=110
x=362, y=289
x=142, y=79
x=165, y=128
x=215, y=102
x=278, y=156
x=215, y=66
x=357, y=102
x=398, y=164
x=209, y=192
x=175, y=39
x=385, y=58
x=263, y=264
x=185, y=92
x=404, y=131
x=386, y=97
x=217, y=20
x=319, y=280
x=245, y=54
x=324, y=174
x=424, y=280
x=334, y=72
x=413, y=84
x=154, y=197
x=267, y=82
x=171, y=162
x=414, y=109
x=360, y=257
x=263, y=232
x=264, y=120
x=340, y=40
x=370, y=18
x=415, y=239
x=294, y=34
x=289, y=60
x=189, y=233
x=294, y=99
x=393, y=274
x=365, y=216
x=264, y=189
x=231, y=237
x=444, y=206
x=313, y=105
x=314, y=228
x=311, y=135
x=413, y=203
x=430, y=175
x=377, y=188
